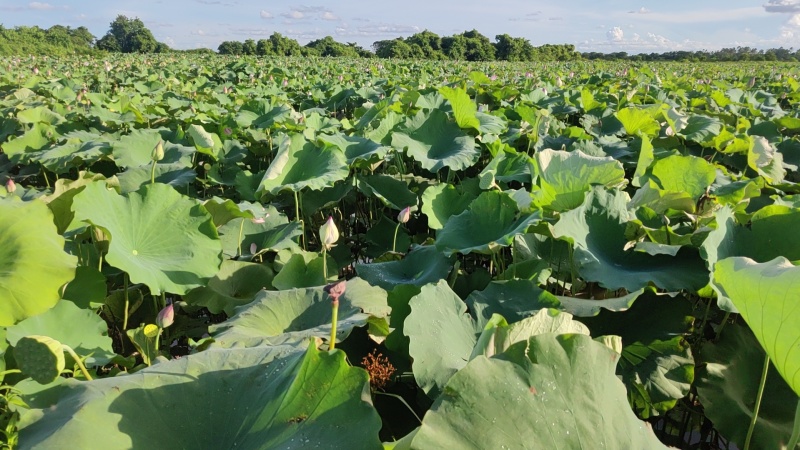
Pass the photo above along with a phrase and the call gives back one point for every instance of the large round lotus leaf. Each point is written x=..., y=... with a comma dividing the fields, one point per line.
x=588, y=307
x=236, y=284
x=464, y=108
x=443, y=201
x=766, y=296
x=565, y=177
x=300, y=164
x=597, y=229
x=689, y=174
x=304, y=270
x=636, y=120
x=657, y=364
x=508, y=165
x=356, y=148
x=260, y=398
x=727, y=385
x=294, y=315
x=421, y=266
x=442, y=335
x=436, y=143
x=71, y=155
x=513, y=299
x=491, y=222
x=89, y=287
x=33, y=265
x=87, y=333
x=176, y=175
x=136, y=149
x=275, y=233
x=550, y=392
x=392, y=192
x=158, y=236
x=60, y=201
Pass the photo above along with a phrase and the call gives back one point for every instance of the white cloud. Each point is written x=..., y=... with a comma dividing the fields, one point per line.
x=782, y=6
x=266, y=14
x=327, y=15
x=641, y=10
x=702, y=15
x=294, y=14
x=615, y=34
x=40, y=6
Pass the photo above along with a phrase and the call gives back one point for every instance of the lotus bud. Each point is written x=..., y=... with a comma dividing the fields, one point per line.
x=158, y=151
x=752, y=82
x=328, y=233
x=335, y=290
x=253, y=248
x=559, y=82
x=166, y=316
x=257, y=220
x=11, y=186
x=404, y=215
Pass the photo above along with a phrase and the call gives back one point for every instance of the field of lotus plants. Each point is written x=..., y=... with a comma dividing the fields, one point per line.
x=204, y=252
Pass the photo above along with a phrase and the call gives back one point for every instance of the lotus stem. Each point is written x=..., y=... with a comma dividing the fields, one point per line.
x=9, y=372
x=334, y=320
x=324, y=264
x=77, y=359
x=127, y=302
x=795, y=439
x=241, y=231
x=403, y=401
x=758, y=403
x=394, y=241
x=153, y=172
x=297, y=217
x=722, y=325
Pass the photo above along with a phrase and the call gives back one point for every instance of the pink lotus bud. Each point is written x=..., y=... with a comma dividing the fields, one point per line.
x=11, y=186
x=36, y=71
x=285, y=82
x=328, y=233
x=257, y=220
x=228, y=131
x=404, y=215
x=253, y=248
x=166, y=316
x=335, y=290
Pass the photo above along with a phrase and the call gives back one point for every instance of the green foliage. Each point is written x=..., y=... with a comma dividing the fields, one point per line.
x=128, y=35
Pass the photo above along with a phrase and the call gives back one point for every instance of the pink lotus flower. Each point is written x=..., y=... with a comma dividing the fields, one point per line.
x=404, y=215
x=11, y=186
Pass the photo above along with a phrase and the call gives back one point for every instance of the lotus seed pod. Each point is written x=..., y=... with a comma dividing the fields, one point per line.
x=40, y=357
x=328, y=233
x=404, y=215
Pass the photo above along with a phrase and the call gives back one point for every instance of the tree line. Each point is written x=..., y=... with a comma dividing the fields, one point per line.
x=130, y=35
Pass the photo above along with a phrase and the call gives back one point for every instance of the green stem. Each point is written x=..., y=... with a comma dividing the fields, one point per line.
x=153, y=173
x=705, y=316
x=127, y=302
x=402, y=400
x=9, y=372
x=241, y=231
x=46, y=180
x=297, y=217
x=394, y=241
x=722, y=325
x=334, y=321
x=77, y=359
x=324, y=264
x=758, y=403
x=795, y=439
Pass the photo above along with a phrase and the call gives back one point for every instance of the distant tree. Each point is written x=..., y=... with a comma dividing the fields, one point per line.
x=455, y=47
x=230, y=48
x=128, y=36
x=284, y=46
x=329, y=47
x=264, y=48
x=249, y=47
x=509, y=48
x=429, y=44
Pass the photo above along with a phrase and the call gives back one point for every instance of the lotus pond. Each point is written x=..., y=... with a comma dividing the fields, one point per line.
x=573, y=256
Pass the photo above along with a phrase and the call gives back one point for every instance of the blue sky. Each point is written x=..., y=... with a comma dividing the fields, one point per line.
x=621, y=25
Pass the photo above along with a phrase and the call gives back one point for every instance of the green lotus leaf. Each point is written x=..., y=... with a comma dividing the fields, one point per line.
x=491, y=222
x=302, y=271
x=765, y=159
x=40, y=357
x=88, y=287
x=356, y=148
x=71, y=155
x=87, y=332
x=294, y=315
x=136, y=149
x=266, y=397
x=656, y=364
x=35, y=139
x=442, y=335
x=442, y=201
x=498, y=335
x=690, y=174
x=224, y=210
x=205, y=142
x=766, y=294
x=159, y=237
x=236, y=284
x=40, y=114
x=513, y=299
x=275, y=233
x=33, y=265
x=60, y=201
x=464, y=109
x=176, y=175
x=509, y=165
x=701, y=129
x=381, y=238
x=597, y=230
x=421, y=266
x=637, y=121
x=300, y=164
x=565, y=177
x=392, y=192
x=436, y=143
x=727, y=385
x=650, y=195
x=583, y=307
x=553, y=391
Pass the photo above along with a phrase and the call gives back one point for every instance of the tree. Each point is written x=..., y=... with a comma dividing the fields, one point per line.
x=249, y=47
x=513, y=49
x=128, y=36
x=230, y=48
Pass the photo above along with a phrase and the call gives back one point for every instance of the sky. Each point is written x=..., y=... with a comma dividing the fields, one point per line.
x=590, y=25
